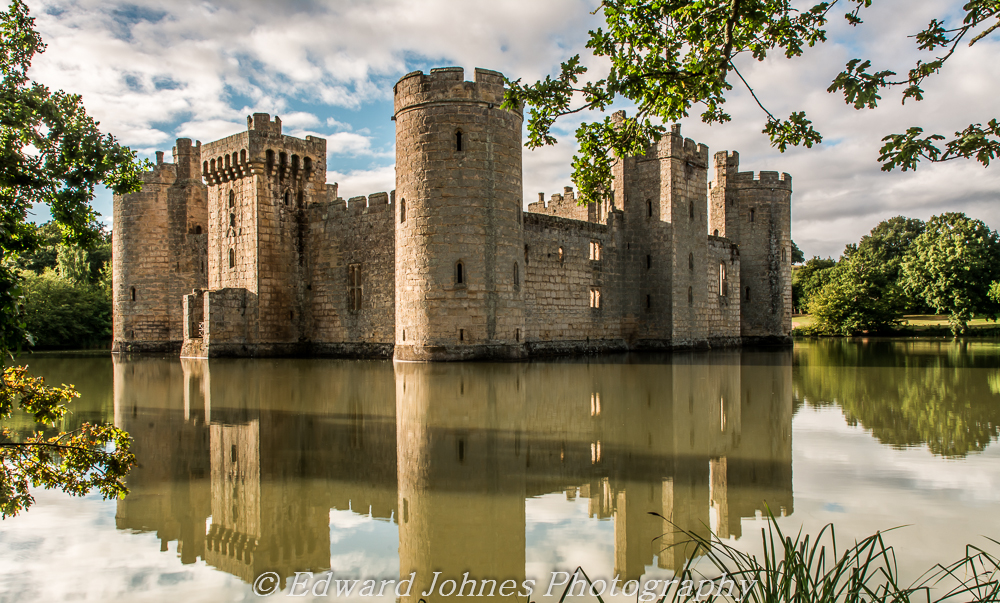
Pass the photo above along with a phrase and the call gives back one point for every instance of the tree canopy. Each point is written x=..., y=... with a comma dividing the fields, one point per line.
x=51, y=153
x=951, y=265
x=669, y=56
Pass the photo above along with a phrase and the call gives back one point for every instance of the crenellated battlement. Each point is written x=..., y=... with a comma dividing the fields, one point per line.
x=447, y=84
x=262, y=124
x=770, y=180
x=263, y=149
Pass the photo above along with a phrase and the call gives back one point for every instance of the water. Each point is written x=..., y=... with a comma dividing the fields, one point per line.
x=509, y=471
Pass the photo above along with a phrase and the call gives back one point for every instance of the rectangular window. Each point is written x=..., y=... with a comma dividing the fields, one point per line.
x=595, y=297
x=595, y=250
x=354, y=288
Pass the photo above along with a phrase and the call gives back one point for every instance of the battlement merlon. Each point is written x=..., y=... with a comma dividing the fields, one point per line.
x=672, y=146
x=762, y=180
x=447, y=84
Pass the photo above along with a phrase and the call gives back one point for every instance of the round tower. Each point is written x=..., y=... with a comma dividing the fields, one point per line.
x=459, y=238
x=761, y=224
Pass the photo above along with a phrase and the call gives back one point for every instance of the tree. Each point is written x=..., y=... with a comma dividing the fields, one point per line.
x=810, y=278
x=51, y=153
x=860, y=297
x=797, y=256
x=950, y=267
x=889, y=242
x=667, y=56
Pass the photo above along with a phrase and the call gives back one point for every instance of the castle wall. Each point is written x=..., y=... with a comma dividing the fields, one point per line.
x=352, y=240
x=722, y=278
x=158, y=253
x=560, y=276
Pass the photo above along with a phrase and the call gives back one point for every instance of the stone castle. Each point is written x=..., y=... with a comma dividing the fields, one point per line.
x=240, y=248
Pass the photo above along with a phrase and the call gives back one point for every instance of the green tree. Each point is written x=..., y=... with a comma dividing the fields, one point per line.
x=950, y=267
x=889, y=241
x=810, y=278
x=797, y=256
x=51, y=153
x=667, y=56
x=64, y=313
x=859, y=297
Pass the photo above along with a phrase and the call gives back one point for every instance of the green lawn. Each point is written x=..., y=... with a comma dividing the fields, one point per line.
x=915, y=321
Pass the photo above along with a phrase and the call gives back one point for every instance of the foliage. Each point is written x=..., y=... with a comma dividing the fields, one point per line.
x=950, y=267
x=860, y=296
x=810, y=278
x=51, y=153
x=814, y=569
x=797, y=256
x=93, y=457
x=63, y=313
x=667, y=56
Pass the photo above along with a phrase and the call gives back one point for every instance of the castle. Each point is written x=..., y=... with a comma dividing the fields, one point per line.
x=240, y=248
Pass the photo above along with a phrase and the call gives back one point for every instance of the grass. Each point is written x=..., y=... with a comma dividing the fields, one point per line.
x=916, y=324
x=807, y=569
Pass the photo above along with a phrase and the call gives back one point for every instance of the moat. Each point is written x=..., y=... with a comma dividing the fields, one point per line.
x=510, y=471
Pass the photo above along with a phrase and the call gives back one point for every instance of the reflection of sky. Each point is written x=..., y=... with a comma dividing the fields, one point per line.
x=69, y=549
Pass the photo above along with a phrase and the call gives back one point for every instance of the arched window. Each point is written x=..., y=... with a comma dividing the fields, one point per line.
x=649, y=262
x=525, y=255
x=308, y=167
x=204, y=168
x=784, y=255
x=458, y=140
x=690, y=296
x=232, y=257
x=716, y=233
x=691, y=262
x=197, y=229
x=132, y=293
x=232, y=220
x=236, y=160
x=649, y=208
x=691, y=209
x=517, y=277
x=402, y=211
x=649, y=301
x=232, y=199
x=243, y=156
x=227, y=161
x=270, y=161
x=287, y=197
x=723, y=283
x=213, y=165
x=748, y=293
x=751, y=214
x=562, y=255
x=459, y=273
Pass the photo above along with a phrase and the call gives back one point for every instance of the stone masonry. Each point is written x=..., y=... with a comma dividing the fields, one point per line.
x=240, y=248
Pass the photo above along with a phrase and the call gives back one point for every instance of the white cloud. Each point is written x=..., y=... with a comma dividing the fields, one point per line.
x=151, y=71
x=364, y=182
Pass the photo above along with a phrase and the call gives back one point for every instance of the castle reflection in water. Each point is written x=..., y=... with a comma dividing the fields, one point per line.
x=241, y=461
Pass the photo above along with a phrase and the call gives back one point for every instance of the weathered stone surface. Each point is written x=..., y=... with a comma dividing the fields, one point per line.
x=266, y=259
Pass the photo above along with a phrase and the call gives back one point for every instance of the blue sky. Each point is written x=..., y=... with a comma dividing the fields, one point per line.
x=154, y=71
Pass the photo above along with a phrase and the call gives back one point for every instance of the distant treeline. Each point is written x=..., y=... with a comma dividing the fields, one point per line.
x=948, y=265
x=66, y=292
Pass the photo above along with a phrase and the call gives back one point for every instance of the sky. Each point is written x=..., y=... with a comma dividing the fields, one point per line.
x=153, y=71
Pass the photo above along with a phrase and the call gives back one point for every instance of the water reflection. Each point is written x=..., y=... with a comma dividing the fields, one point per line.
x=908, y=392
x=242, y=461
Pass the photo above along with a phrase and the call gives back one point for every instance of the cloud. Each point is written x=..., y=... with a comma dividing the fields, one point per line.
x=152, y=71
x=364, y=182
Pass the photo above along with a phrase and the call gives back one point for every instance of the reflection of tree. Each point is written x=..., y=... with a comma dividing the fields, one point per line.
x=907, y=393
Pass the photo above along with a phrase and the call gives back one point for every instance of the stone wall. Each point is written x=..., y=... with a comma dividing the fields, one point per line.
x=353, y=239
x=573, y=301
